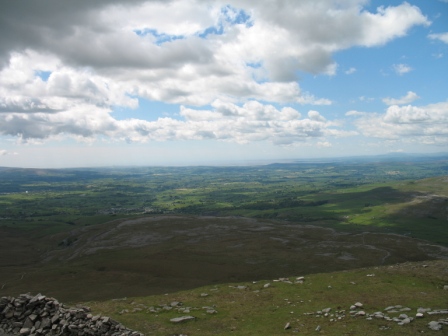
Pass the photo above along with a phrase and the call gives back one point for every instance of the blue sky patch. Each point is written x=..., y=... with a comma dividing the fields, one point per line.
x=160, y=37
x=219, y=30
x=44, y=75
x=236, y=16
x=147, y=110
x=229, y=15
x=255, y=65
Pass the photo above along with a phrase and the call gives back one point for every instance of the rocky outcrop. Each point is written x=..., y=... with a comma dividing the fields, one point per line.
x=40, y=315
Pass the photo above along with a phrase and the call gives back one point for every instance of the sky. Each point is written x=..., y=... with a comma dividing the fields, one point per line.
x=188, y=82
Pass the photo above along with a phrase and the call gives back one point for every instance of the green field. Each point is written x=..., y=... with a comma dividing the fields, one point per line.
x=356, y=196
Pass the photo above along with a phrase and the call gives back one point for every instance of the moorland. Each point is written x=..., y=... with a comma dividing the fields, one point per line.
x=107, y=233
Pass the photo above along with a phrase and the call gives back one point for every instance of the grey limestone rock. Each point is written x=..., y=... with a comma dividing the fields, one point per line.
x=182, y=319
x=423, y=310
x=406, y=321
x=434, y=325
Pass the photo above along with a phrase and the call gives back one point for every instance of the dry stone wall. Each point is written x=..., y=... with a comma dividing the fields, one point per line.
x=40, y=315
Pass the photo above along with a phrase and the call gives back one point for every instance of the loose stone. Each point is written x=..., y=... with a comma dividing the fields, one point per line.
x=434, y=325
x=182, y=319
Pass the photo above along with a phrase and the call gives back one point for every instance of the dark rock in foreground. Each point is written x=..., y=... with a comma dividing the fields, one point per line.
x=39, y=315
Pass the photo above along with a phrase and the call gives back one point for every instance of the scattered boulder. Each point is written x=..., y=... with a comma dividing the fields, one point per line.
x=423, y=310
x=434, y=325
x=407, y=320
x=182, y=319
x=438, y=312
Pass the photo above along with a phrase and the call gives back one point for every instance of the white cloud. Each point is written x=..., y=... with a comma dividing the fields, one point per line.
x=314, y=115
x=401, y=69
x=426, y=124
x=441, y=37
x=346, y=25
x=354, y=113
x=391, y=22
x=178, y=18
x=409, y=98
x=350, y=71
x=366, y=99
x=249, y=122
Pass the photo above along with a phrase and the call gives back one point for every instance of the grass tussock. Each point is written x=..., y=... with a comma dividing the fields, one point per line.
x=250, y=308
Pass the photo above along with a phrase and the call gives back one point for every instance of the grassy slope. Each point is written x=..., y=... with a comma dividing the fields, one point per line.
x=415, y=208
x=265, y=311
x=185, y=252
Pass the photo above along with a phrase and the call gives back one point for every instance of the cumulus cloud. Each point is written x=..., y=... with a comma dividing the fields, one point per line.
x=65, y=65
x=350, y=71
x=110, y=27
x=441, y=37
x=226, y=121
x=409, y=98
x=425, y=124
x=401, y=69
